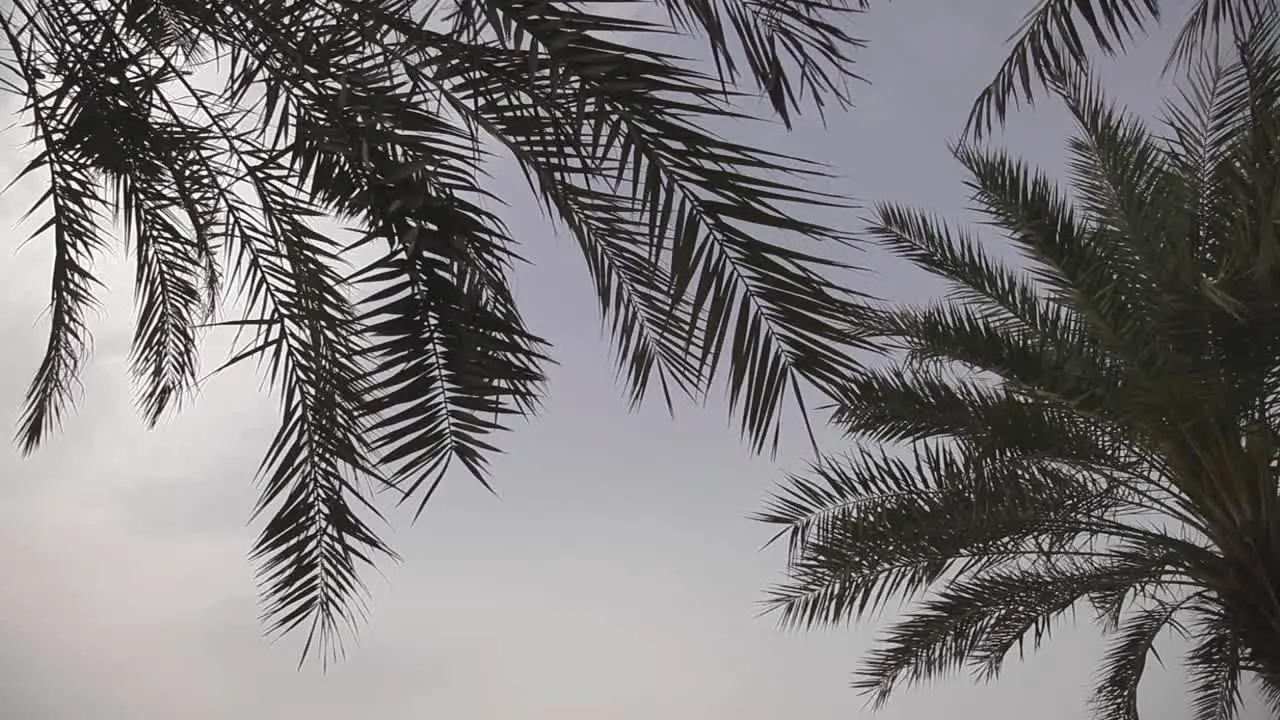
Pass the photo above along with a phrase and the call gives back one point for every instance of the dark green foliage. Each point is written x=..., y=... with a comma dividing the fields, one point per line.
x=1096, y=429
x=212, y=136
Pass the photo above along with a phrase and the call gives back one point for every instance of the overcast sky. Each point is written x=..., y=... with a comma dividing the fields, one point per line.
x=617, y=576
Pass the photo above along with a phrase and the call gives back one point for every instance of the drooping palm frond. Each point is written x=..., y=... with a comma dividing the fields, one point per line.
x=1057, y=38
x=212, y=137
x=1096, y=428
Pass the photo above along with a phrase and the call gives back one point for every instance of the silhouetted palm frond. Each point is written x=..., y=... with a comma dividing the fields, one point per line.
x=213, y=136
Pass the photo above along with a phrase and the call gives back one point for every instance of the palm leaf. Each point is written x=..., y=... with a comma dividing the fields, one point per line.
x=213, y=139
x=1054, y=41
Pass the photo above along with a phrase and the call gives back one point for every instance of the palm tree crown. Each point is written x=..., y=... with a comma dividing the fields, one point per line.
x=1096, y=427
x=210, y=136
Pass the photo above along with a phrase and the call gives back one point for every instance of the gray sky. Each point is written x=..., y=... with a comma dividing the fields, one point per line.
x=617, y=577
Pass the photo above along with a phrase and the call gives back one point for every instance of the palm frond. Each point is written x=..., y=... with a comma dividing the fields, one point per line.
x=1214, y=666
x=774, y=36
x=1055, y=39
x=1067, y=259
x=75, y=214
x=1050, y=42
x=872, y=526
x=978, y=621
x=212, y=138
x=1115, y=697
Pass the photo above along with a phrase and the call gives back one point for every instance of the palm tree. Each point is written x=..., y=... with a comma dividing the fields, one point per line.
x=1053, y=40
x=208, y=137
x=1096, y=427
